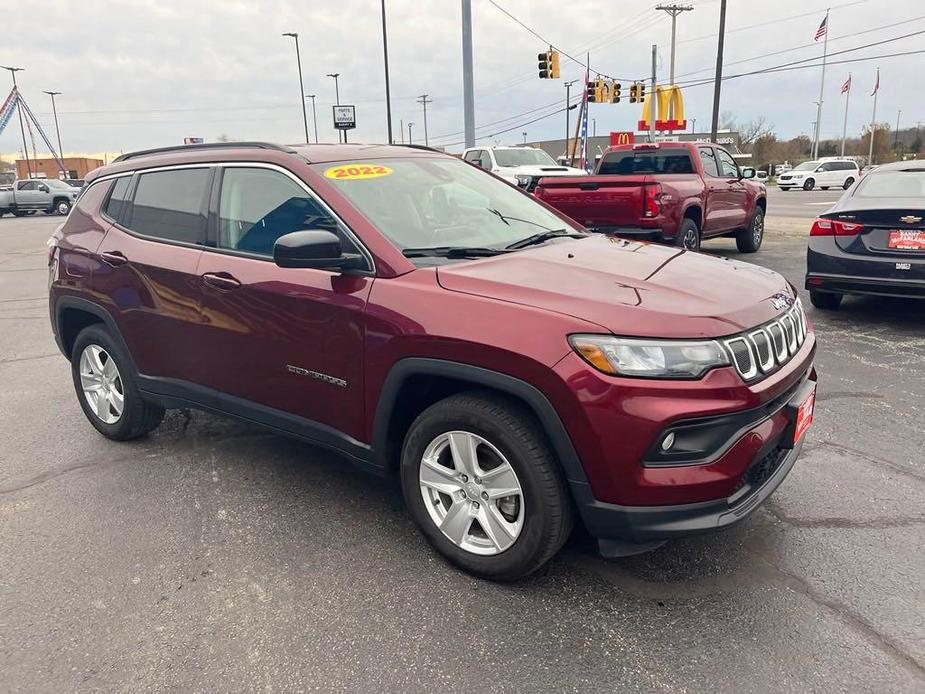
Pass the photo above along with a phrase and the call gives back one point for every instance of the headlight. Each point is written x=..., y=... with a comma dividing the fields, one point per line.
x=523, y=181
x=621, y=356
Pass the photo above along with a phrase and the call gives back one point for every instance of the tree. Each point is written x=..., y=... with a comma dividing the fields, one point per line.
x=883, y=148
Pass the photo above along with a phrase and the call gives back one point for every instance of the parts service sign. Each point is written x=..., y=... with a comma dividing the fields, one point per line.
x=345, y=117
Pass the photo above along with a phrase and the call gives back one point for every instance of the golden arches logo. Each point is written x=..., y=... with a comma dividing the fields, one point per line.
x=670, y=113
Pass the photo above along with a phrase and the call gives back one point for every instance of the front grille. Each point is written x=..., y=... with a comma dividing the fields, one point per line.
x=765, y=349
x=785, y=178
x=762, y=469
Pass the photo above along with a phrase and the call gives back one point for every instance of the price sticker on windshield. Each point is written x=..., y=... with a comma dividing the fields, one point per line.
x=355, y=172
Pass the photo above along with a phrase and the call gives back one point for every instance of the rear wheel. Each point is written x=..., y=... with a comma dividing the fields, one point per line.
x=482, y=484
x=62, y=207
x=809, y=184
x=106, y=388
x=749, y=240
x=825, y=300
x=848, y=183
x=688, y=235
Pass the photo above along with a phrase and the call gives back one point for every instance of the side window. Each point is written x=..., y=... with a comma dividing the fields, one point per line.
x=485, y=160
x=824, y=167
x=116, y=203
x=727, y=163
x=28, y=185
x=709, y=162
x=472, y=156
x=90, y=198
x=258, y=206
x=171, y=205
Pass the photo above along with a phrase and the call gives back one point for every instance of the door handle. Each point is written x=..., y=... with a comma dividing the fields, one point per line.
x=113, y=258
x=221, y=280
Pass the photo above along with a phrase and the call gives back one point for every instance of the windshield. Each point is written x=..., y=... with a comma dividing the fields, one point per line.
x=427, y=202
x=893, y=184
x=523, y=157
x=661, y=161
x=807, y=166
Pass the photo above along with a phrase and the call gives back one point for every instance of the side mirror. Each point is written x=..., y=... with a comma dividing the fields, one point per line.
x=43, y=188
x=748, y=172
x=314, y=248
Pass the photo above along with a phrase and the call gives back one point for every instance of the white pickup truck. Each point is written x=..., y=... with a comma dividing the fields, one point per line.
x=522, y=166
x=29, y=196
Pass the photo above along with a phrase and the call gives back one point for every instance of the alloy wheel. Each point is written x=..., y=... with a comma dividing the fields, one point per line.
x=758, y=229
x=690, y=239
x=471, y=493
x=102, y=384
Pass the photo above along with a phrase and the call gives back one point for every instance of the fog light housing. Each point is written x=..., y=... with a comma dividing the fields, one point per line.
x=668, y=442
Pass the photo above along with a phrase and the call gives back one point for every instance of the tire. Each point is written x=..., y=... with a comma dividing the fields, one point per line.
x=528, y=529
x=62, y=207
x=825, y=300
x=136, y=417
x=20, y=213
x=809, y=184
x=749, y=240
x=848, y=183
x=688, y=235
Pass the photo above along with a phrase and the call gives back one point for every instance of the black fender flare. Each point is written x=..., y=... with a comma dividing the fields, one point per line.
x=478, y=376
x=72, y=302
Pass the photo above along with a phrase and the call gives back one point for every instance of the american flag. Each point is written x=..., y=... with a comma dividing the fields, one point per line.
x=876, y=86
x=823, y=28
x=847, y=85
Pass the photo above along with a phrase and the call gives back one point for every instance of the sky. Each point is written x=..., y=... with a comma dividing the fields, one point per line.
x=136, y=74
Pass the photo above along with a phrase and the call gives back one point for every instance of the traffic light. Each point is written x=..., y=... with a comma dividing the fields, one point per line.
x=615, y=92
x=596, y=92
x=637, y=92
x=549, y=64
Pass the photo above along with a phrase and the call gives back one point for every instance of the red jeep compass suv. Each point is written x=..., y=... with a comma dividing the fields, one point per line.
x=428, y=319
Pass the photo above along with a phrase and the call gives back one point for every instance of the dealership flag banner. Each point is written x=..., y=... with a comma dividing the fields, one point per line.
x=822, y=31
x=823, y=28
x=9, y=106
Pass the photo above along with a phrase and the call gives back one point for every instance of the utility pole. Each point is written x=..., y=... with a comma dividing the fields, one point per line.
x=673, y=11
x=717, y=81
x=298, y=59
x=385, y=55
x=54, y=110
x=568, y=88
x=335, y=75
x=424, y=101
x=468, y=88
x=22, y=128
x=653, y=93
x=314, y=115
x=896, y=136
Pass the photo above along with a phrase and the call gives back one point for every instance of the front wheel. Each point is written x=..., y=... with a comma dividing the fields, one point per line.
x=749, y=240
x=848, y=183
x=809, y=184
x=688, y=235
x=62, y=207
x=481, y=482
x=825, y=300
x=106, y=388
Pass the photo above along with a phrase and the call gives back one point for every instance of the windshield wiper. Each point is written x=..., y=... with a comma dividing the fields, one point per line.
x=542, y=237
x=503, y=217
x=452, y=252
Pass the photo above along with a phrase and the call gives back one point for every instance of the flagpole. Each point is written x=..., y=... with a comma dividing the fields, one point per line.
x=844, y=129
x=873, y=119
x=825, y=52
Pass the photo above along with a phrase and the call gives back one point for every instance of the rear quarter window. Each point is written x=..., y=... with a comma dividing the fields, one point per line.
x=91, y=199
x=661, y=161
x=116, y=202
x=171, y=205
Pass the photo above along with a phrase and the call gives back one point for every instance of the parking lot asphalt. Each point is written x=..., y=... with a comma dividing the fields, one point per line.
x=212, y=556
x=800, y=204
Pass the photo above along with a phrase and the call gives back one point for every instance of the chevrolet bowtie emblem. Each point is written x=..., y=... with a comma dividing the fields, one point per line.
x=909, y=219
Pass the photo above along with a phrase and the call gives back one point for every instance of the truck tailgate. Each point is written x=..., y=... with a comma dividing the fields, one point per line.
x=596, y=201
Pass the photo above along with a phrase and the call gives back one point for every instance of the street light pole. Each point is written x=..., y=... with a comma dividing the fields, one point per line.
x=54, y=110
x=568, y=88
x=410, y=142
x=468, y=88
x=298, y=59
x=385, y=56
x=314, y=115
x=896, y=137
x=335, y=75
x=673, y=11
x=719, y=70
x=525, y=137
x=22, y=128
x=424, y=101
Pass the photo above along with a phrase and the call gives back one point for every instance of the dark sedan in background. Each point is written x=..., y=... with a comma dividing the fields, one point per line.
x=873, y=240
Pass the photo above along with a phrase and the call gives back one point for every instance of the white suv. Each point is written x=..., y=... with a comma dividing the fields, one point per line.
x=825, y=174
x=522, y=166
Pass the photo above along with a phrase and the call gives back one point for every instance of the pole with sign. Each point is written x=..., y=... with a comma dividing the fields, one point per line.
x=345, y=118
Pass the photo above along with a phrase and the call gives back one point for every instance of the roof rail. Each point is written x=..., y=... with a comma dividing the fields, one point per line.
x=206, y=145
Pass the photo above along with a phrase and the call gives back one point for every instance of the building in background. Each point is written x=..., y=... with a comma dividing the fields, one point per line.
x=76, y=167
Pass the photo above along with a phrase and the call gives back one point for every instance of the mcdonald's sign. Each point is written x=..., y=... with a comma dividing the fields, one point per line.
x=622, y=138
x=670, y=113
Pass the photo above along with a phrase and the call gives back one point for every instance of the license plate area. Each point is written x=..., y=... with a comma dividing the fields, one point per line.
x=800, y=410
x=906, y=240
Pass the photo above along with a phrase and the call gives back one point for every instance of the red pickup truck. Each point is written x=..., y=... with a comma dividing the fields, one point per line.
x=674, y=192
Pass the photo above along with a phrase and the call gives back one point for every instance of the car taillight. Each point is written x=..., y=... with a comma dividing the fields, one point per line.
x=52, y=247
x=651, y=206
x=833, y=227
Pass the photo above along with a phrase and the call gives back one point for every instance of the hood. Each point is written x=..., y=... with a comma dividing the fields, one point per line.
x=630, y=288
x=551, y=170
